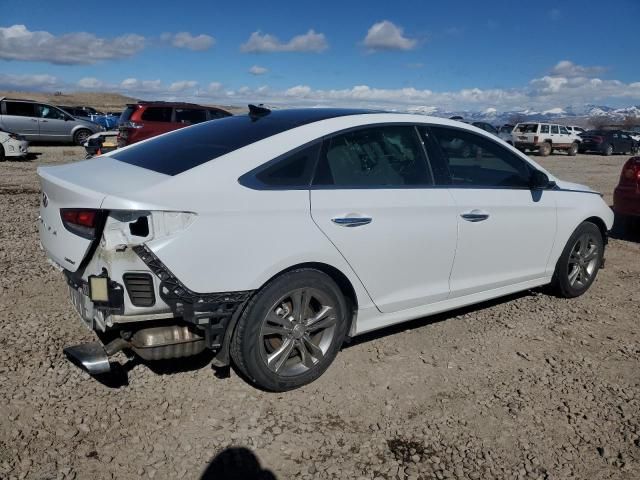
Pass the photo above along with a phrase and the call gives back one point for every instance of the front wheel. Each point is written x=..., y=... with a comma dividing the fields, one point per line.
x=2, y=157
x=573, y=149
x=580, y=261
x=290, y=331
x=608, y=150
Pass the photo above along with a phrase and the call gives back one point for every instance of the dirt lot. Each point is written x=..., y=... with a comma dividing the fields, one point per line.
x=525, y=387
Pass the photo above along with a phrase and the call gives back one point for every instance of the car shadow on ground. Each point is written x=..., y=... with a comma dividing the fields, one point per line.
x=236, y=463
x=626, y=228
x=439, y=317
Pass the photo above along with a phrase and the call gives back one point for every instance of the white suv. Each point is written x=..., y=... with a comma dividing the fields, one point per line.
x=544, y=138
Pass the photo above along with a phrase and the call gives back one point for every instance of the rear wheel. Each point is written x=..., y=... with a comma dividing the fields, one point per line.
x=545, y=149
x=290, y=331
x=608, y=150
x=81, y=136
x=2, y=157
x=573, y=149
x=580, y=261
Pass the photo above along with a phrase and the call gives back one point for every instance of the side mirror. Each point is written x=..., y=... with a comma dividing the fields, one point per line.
x=539, y=180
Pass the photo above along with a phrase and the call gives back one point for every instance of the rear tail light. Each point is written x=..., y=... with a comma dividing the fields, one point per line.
x=132, y=125
x=82, y=222
x=535, y=139
x=631, y=172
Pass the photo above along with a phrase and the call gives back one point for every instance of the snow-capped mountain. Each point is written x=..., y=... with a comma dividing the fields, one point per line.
x=578, y=114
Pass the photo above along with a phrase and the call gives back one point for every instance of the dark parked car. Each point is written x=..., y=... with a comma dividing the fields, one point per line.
x=626, y=196
x=487, y=127
x=144, y=120
x=608, y=142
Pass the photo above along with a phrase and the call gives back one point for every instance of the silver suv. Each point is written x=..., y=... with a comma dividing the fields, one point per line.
x=42, y=122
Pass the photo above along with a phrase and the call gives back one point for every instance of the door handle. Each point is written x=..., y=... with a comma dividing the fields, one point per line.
x=351, y=221
x=475, y=216
x=44, y=121
x=34, y=119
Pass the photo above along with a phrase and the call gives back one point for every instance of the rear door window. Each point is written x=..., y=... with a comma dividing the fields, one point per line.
x=554, y=129
x=21, y=109
x=383, y=157
x=190, y=116
x=544, y=128
x=157, y=114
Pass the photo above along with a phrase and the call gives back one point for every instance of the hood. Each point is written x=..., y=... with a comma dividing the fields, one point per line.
x=574, y=186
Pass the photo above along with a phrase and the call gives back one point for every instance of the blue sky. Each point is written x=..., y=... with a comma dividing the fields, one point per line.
x=463, y=54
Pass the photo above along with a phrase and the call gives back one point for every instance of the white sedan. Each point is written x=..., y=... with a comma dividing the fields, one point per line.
x=271, y=237
x=12, y=145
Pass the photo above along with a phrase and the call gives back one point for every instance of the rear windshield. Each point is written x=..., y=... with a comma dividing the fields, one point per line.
x=126, y=115
x=192, y=146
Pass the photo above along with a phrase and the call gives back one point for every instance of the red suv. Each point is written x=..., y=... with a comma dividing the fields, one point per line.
x=144, y=120
x=626, y=196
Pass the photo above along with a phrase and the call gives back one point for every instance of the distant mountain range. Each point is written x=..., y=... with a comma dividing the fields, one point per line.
x=578, y=115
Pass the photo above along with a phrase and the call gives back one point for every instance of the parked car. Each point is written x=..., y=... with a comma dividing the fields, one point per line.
x=147, y=119
x=626, y=196
x=259, y=236
x=101, y=142
x=12, y=145
x=634, y=135
x=608, y=142
x=544, y=138
x=106, y=120
x=38, y=121
x=487, y=127
x=575, y=129
x=505, y=131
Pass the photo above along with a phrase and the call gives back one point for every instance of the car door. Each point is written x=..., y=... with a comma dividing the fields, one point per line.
x=555, y=135
x=55, y=125
x=565, y=137
x=20, y=118
x=373, y=197
x=505, y=230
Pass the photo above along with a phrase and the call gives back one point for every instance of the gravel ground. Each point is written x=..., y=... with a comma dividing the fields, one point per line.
x=528, y=386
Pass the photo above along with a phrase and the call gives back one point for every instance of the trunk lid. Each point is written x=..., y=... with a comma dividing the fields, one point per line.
x=82, y=185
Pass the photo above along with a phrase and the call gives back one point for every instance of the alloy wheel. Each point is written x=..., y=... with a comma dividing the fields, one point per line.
x=583, y=260
x=297, y=331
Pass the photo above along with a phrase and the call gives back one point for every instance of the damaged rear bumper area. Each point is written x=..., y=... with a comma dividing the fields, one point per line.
x=197, y=321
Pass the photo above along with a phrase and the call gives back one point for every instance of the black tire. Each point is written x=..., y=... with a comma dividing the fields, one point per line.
x=608, y=150
x=251, y=347
x=545, y=149
x=561, y=283
x=81, y=136
x=2, y=157
x=573, y=149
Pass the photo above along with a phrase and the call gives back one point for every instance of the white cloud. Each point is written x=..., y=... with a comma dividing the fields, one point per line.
x=214, y=87
x=182, y=85
x=257, y=70
x=35, y=82
x=19, y=43
x=566, y=68
x=260, y=42
x=386, y=35
x=188, y=41
x=90, y=82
